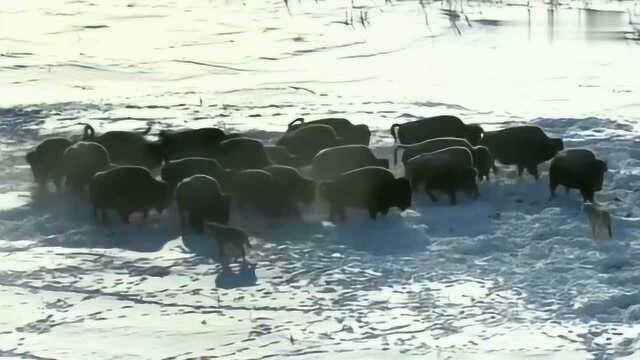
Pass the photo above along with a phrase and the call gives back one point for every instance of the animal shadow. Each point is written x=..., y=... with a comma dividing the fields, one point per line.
x=230, y=279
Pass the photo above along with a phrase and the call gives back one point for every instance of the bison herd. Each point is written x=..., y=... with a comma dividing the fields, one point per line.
x=206, y=170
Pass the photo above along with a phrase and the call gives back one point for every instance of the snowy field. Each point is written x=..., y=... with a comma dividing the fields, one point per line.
x=510, y=276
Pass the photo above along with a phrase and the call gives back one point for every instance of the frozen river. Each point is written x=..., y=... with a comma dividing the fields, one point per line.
x=510, y=276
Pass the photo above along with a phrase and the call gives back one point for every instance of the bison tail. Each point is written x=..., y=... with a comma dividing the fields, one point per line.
x=393, y=132
x=147, y=130
x=89, y=132
x=298, y=120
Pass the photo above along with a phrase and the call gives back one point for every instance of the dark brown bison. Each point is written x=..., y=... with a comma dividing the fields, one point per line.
x=373, y=188
x=352, y=134
x=427, y=146
x=82, y=161
x=482, y=158
x=258, y=190
x=191, y=142
x=331, y=162
x=449, y=170
x=175, y=171
x=309, y=140
x=199, y=199
x=232, y=242
x=525, y=146
x=242, y=153
x=127, y=189
x=46, y=162
x=292, y=185
x=128, y=147
x=577, y=169
x=483, y=161
x=436, y=127
x=279, y=155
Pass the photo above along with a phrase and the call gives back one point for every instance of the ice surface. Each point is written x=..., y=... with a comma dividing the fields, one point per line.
x=510, y=276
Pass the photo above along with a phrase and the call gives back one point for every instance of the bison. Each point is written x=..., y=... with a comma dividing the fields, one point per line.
x=331, y=162
x=128, y=147
x=577, y=169
x=449, y=170
x=291, y=184
x=175, y=171
x=373, y=188
x=200, y=198
x=352, y=134
x=82, y=161
x=436, y=127
x=127, y=189
x=186, y=143
x=46, y=162
x=525, y=146
x=309, y=140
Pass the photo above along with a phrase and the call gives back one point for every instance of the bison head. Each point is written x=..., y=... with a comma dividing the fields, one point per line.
x=162, y=192
x=474, y=133
x=37, y=168
x=308, y=191
x=597, y=169
x=361, y=134
x=483, y=161
x=401, y=193
x=468, y=182
x=556, y=144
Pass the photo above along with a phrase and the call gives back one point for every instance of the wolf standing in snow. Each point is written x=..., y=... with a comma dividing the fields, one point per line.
x=231, y=242
x=600, y=221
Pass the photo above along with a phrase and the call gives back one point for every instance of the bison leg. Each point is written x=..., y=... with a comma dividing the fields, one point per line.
x=42, y=185
x=68, y=183
x=373, y=212
x=430, y=194
x=96, y=215
x=197, y=222
x=105, y=216
x=452, y=196
x=336, y=212
x=533, y=170
x=243, y=254
x=222, y=255
x=520, y=170
x=183, y=220
x=57, y=182
x=414, y=186
x=552, y=187
x=385, y=211
x=587, y=195
x=76, y=187
x=124, y=216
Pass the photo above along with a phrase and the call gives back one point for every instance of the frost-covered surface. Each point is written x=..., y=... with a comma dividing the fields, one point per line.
x=510, y=276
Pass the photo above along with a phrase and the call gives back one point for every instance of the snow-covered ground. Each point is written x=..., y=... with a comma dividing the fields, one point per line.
x=510, y=276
